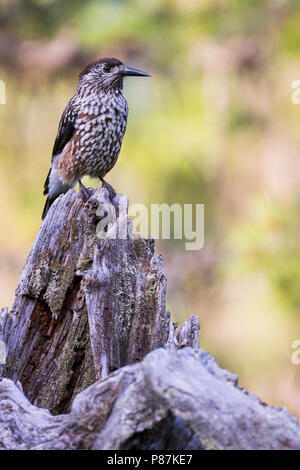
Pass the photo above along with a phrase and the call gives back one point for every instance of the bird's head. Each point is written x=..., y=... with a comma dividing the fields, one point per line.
x=108, y=73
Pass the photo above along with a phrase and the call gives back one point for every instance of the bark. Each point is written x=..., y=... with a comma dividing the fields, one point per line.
x=93, y=361
x=85, y=306
x=173, y=399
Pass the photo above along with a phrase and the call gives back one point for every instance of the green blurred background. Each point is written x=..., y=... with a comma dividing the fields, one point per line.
x=215, y=125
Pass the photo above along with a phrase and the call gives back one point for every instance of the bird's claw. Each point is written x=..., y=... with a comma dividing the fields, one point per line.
x=84, y=192
x=111, y=192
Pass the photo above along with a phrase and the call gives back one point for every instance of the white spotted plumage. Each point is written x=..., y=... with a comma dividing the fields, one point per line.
x=91, y=129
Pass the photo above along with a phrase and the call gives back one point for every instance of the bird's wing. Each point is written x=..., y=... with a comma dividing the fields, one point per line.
x=66, y=131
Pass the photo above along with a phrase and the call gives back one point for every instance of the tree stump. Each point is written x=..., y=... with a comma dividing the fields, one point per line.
x=89, y=339
x=85, y=306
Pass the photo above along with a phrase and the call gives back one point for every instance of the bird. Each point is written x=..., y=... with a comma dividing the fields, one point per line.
x=91, y=129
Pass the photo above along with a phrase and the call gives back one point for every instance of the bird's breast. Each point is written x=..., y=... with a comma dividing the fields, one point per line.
x=100, y=128
x=103, y=117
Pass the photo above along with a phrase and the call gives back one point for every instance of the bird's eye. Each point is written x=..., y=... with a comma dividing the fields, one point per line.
x=106, y=68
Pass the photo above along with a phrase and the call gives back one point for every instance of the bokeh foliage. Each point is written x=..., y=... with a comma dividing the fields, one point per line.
x=215, y=125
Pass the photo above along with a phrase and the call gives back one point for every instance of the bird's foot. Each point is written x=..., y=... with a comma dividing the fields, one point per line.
x=84, y=192
x=111, y=192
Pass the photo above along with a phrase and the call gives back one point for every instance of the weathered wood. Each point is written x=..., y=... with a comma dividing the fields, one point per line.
x=125, y=295
x=187, y=335
x=89, y=334
x=85, y=306
x=173, y=399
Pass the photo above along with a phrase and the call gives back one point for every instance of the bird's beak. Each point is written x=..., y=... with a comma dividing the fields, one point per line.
x=130, y=72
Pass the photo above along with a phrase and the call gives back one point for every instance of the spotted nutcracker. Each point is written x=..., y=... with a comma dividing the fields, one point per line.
x=91, y=128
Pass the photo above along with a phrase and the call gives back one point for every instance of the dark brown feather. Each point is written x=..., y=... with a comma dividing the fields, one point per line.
x=105, y=60
x=66, y=131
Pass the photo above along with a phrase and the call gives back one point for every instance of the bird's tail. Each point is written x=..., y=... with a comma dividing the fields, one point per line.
x=53, y=187
x=47, y=206
x=48, y=201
